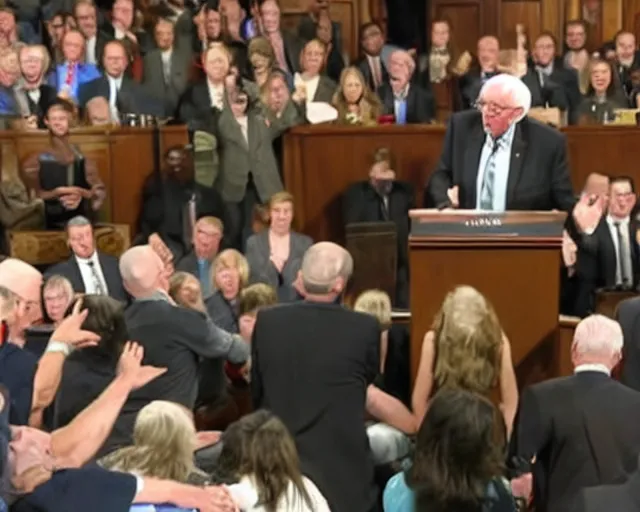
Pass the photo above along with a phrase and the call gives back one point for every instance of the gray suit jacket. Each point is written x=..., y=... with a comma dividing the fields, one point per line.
x=258, y=254
x=237, y=158
x=326, y=89
x=154, y=81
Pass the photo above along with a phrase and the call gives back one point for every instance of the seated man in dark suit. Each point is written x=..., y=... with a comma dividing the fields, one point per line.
x=407, y=101
x=125, y=95
x=311, y=365
x=172, y=202
x=381, y=199
x=207, y=238
x=580, y=430
x=609, y=258
x=485, y=68
x=88, y=270
x=498, y=159
x=551, y=84
x=371, y=63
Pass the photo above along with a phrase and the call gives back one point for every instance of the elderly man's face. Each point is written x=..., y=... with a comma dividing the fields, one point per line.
x=206, y=240
x=31, y=61
x=488, y=52
x=400, y=70
x=81, y=241
x=499, y=110
x=73, y=46
x=98, y=112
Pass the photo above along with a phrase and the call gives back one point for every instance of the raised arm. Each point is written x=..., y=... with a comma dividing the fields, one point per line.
x=98, y=189
x=31, y=177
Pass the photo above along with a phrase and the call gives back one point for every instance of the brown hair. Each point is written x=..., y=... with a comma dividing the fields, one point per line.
x=468, y=342
x=280, y=197
x=262, y=47
x=369, y=104
x=260, y=446
x=383, y=155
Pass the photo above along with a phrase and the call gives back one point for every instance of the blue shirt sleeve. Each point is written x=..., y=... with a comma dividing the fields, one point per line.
x=398, y=497
x=17, y=371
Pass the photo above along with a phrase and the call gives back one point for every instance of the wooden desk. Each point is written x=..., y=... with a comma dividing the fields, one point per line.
x=124, y=156
x=320, y=162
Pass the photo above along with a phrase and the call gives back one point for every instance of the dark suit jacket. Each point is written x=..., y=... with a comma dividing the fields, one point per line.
x=363, y=66
x=597, y=263
x=258, y=255
x=361, y=203
x=293, y=47
x=132, y=98
x=606, y=498
x=189, y=263
x=421, y=107
x=628, y=315
x=48, y=95
x=470, y=84
x=538, y=174
x=154, y=81
x=102, y=38
x=582, y=430
x=326, y=89
x=314, y=375
x=110, y=270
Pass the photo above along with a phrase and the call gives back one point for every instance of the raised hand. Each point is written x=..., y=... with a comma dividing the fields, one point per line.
x=69, y=331
x=588, y=212
x=130, y=366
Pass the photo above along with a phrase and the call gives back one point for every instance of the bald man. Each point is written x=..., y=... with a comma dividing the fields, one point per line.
x=494, y=158
x=407, y=101
x=312, y=363
x=173, y=337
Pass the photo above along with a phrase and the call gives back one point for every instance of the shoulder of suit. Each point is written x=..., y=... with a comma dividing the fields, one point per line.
x=537, y=128
x=359, y=186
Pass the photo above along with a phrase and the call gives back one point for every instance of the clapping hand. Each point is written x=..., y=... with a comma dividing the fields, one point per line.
x=69, y=331
x=588, y=212
x=130, y=367
x=452, y=195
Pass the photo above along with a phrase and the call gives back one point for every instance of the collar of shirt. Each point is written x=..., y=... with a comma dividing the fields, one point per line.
x=157, y=296
x=118, y=34
x=547, y=70
x=91, y=259
x=243, y=121
x=116, y=81
x=592, y=368
x=216, y=91
x=166, y=55
x=612, y=222
x=402, y=95
x=504, y=141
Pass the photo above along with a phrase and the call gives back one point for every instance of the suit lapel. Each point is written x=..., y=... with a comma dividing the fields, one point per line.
x=254, y=129
x=518, y=149
x=77, y=275
x=609, y=259
x=411, y=103
x=471, y=163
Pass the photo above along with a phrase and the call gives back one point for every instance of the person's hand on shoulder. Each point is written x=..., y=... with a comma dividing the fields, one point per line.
x=130, y=367
x=70, y=330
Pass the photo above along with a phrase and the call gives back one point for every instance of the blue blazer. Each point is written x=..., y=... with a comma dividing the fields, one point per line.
x=84, y=73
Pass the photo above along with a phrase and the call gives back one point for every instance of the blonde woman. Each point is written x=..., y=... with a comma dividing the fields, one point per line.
x=355, y=102
x=275, y=254
x=378, y=304
x=466, y=349
x=164, y=439
x=229, y=275
x=57, y=295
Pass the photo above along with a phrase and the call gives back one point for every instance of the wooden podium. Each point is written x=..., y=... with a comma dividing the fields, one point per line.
x=512, y=258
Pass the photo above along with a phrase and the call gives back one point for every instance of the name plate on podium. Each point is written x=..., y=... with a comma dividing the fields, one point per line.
x=484, y=224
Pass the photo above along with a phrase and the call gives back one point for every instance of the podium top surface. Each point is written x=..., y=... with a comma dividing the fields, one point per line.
x=485, y=225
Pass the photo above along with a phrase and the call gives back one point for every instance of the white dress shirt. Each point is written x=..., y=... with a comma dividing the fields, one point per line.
x=90, y=51
x=244, y=127
x=114, y=87
x=310, y=85
x=165, y=55
x=613, y=230
x=216, y=93
x=34, y=94
x=119, y=34
x=87, y=274
x=502, y=164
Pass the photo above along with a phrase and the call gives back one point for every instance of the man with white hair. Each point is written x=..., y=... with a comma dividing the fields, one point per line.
x=582, y=430
x=408, y=102
x=496, y=159
x=312, y=363
x=176, y=338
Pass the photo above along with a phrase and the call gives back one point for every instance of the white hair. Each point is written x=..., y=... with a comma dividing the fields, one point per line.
x=597, y=335
x=512, y=87
x=322, y=265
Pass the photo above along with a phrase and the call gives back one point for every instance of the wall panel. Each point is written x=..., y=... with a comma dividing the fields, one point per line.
x=466, y=18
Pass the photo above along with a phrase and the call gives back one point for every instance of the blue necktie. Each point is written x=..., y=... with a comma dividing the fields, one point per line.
x=203, y=274
x=401, y=117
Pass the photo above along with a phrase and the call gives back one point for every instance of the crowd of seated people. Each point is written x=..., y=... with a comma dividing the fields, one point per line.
x=217, y=365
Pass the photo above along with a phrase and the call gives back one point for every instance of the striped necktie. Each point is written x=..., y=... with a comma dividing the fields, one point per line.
x=488, y=180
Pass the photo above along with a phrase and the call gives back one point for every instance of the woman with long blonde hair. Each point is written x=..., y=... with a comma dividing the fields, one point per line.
x=355, y=102
x=466, y=349
x=164, y=439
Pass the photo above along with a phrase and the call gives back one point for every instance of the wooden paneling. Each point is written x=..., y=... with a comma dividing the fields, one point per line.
x=514, y=13
x=466, y=19
x=346, y=12
x=320, y=162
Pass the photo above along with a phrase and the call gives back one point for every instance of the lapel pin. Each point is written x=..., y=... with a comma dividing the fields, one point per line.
x=517, y=155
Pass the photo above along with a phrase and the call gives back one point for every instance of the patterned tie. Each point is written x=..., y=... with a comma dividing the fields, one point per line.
x=624, y=257
x=98, y=289
x=487, y=189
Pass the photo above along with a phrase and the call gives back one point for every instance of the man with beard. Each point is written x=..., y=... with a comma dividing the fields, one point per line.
x=172, y=202
x=61, y=176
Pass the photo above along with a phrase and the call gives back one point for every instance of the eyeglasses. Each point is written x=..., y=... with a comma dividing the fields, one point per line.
x=492, y=107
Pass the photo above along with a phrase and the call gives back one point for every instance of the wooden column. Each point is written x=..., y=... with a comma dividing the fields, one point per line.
x=573, y=10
